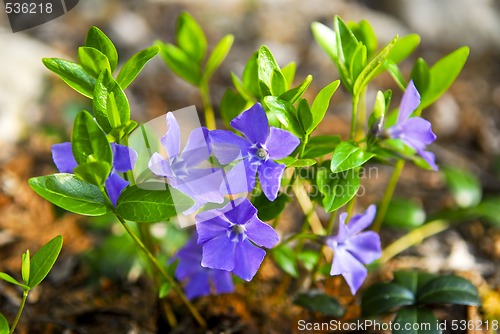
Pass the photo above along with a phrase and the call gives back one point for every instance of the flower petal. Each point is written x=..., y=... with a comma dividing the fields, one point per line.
x=418, y=132
x=281, y=143
x=270, y=173
x=209, y=225
x=348, y=266
x=62, y=154
x=429, y=157
x=361, y=221
x=228, y=146
x=261, y=233
x=123, y=157
x=197, y=148
x=160, y=166
x=409, y=102
x=198, y=285
x=240, y=211
x=247, y=260
x=219, y=253
x=222, y=281
x=114, y=187
x=365, y=247
x=253, y=124
x=240, y=178
x=172, y=139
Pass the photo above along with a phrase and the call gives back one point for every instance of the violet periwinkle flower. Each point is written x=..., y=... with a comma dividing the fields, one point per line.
x=230, y=236
x=263, y=144
x=415, y=132
x=200, y=281
x=123, y=161
x=353, y=248
x=181, y=169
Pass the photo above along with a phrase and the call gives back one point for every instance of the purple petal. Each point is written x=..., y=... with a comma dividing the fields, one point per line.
x=222, y=281
x=361, y=221
x=342, y=234
x=123, y=157
x=172, y=139
x=365, y=247
x=261, y=233
x=198, y=285
x=227, y=146
x=197, y=148
x=240, y=178
x=114, y=187
x=160, y=166
x=242, y=211
x=348, y=266
x=281, y=143
x=429, y=157
x=62, y=154
x=189, y=258
x=253, y=124
x=409, y=102
x=219, y=253
x=209, y=225
x=417, y=132
x=270, y=173
x=247, y=260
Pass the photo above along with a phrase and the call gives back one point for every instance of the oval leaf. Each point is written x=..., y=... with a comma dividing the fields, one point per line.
x=348, y=155
x=73, y=74
x=404, y=213
x=89, y=142
x=449, y=289
x=285, y=259
x=382, y=297
x=416, y=321
x=465, y=187
x=134, y=65
x=43, y=260
x=178, y=62
x=4, y=325
x=285, y=113
x=321, y=103
x=190, y=37
x=12, y=280
x=93, y=61
x=317, y=301
x=218, y=55
x=98, y=40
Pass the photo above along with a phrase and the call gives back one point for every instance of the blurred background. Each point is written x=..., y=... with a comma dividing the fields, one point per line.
x=37, y=110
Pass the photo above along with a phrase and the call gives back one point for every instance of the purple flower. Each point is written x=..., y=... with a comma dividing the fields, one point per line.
x=200, y=281
x=353, y=248
x=228, y=236
x=123, y=161
x=181, y=169
x=262, y=145
x=415, y=132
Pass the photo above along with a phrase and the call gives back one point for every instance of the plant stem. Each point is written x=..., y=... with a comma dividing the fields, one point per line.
x=389, y=191
x=360, y=134
x=19, y=312
x=413, y=238
x=207, y=105
x=163, y=273
x=354, y=119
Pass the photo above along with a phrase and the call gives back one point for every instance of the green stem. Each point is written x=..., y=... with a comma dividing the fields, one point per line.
x=389, y=192
x=20, y=311
x=207, y=105
x=413, y=238
x=354, y=119
x=361, y=115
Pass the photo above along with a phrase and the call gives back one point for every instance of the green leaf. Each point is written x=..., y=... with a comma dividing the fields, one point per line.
x=165, y=289
x=109, y=98
x=151, y=206
x=94, y=172
x=416, y=321
x=25, y=267
x=370, y=71
x=289, y=73
x=305, y=115
x=121, y=131
x=358, y=62
x=134, y=65
x=346, y=46
x=465, y=186
x=443, y=74
x=449, y=289
x=250, y=77
x=218, y=55
x=403, y=47
x=319, y=146
x=4, y=325
x=93, y=61
x=318, y=301
x=179, y=62
x=285, y=113
x=321, y=103
x=293, y=162
x=12, y=280
x=43, y=260
x=72, y=74
x=420, y=75
x=190, y=37
x=231, y=105
x=98, y=40
x=284, y=257
x=377, y=117
x=89, y=142
x=396, y=74
x=337, y=188
x=365, y=34
x=267, y=210
x=382, y=297
x=294, y=94
x=278, y=83
x=348, y=155
x=412, y=280
x=70, y=193
x=266, y=65
x=326, y=39
x=404, y=213
x=309, y=258
x=488, y=210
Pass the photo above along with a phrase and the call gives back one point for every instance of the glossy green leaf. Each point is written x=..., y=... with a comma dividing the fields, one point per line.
x=393, y=69
x=304, y=114
x=319, y=146
x=93, y=61
x=12, y=280
x=134, y=65
x=43, y=260
x=294, y=94
x=383, y=297
x=449, y=289
x=415, y=321
x=285, y=113
x=285, y=259
x=365, y=34
x=443, y=74
x=321, y=103
x=404, y=213
x=190, y=37
x=266, y=68
x=292, y=162
x=420, y=75
x=72, y=74
x=404, y=47
x=25, y=267
x=348, y=155
x=94, y=172
x=89, y=142
x=4, y=325
x=218, y=55
x=179, y=62
x=278, y=83
x=337, y=188
x=326, y=39
x=289, y=73
x=318, y=301
x=70, y=193
x=250, y=77
x=98, y=40
x=358, y=62
x=268, y=210
x=346, y=45
x=412, y=280
x=465, y=186
x=151, y=206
